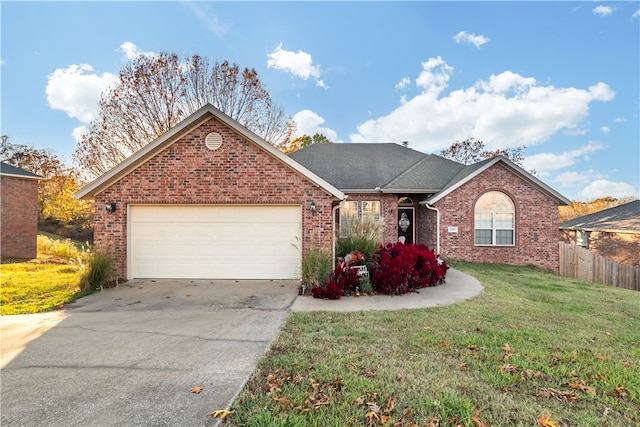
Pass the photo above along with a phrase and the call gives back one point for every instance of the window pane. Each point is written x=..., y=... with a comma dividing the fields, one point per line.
x=348, y=217
x=582, y=238
x=504, y=237
x=483, y=237
x=484, y=220
x=494, y=200
x=504, y=220
x=371, y=210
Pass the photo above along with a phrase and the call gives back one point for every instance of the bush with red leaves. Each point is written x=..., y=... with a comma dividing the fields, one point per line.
x=398, y=269
x=342, y=280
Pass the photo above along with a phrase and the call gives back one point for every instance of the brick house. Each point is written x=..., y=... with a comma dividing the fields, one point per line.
x=210, y=199
x=613, y=233
x=492, y=211
x=18, y=212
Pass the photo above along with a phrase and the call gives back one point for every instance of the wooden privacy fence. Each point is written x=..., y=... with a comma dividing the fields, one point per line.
x=582, y=264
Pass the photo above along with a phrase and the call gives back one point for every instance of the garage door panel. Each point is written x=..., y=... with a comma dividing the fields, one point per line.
x=226, y=242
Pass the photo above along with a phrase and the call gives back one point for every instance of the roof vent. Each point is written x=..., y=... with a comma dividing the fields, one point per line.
x=213, y=141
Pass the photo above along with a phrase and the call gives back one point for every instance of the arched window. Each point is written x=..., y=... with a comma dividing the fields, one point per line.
x=495, y=220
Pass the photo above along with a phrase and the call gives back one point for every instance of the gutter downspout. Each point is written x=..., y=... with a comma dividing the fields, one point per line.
x=428, y=206
x=333, y=229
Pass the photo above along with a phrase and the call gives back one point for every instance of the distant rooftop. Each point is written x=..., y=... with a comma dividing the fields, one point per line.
x=10, y=170
x=622, y=218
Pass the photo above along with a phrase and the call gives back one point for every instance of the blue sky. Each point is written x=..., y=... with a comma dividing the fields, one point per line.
x=558, y=77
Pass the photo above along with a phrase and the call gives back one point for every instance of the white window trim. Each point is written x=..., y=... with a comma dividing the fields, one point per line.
x=494, y=213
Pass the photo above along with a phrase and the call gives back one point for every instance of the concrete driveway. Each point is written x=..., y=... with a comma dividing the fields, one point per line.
x=129, y=356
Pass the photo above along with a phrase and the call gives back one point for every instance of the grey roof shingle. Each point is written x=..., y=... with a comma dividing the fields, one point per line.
x=623, y=218
x=7, y=169
x=366, y=166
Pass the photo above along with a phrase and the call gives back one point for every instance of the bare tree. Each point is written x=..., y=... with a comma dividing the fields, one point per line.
x=153, y=94
x=472, y=150
x=465, y=152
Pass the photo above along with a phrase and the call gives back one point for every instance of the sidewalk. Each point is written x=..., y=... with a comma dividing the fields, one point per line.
x=459, y=287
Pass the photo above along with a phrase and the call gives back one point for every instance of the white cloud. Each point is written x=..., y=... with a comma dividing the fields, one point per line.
x=505, y=110
x=76, y=90
x=78, y=132
x=602, y=188
x=299, y=63
x=636, y=14
x=619, y=120
x=605, y=129
x=435, y=76
x=131, y=51
x=406, y=81
x=464, y=37
x=544, y=163
x=309, y=123
x=573, y=178
x=603, y=10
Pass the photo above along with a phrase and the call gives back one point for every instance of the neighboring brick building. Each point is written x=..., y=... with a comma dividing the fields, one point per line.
x=18, y=212
x=210, y=199
x=613, y=233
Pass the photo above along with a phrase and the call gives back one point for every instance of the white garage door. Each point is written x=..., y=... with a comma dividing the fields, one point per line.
x=215, y=242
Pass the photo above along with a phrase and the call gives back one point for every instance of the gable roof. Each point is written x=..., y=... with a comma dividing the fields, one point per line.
x=184, y=127
x=9, y=170
x=618, y=219
x=392, y=168
x=471, y=171
x=368, y=167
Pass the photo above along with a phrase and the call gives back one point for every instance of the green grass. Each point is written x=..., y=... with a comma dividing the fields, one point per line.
x=533, y=345
x=45, y=283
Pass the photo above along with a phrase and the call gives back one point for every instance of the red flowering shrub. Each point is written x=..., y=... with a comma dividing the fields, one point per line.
x=342, y=280
x=398, y=269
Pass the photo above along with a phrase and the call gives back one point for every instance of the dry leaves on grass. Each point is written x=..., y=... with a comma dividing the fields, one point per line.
x=549, y=393
x=477, y=421
x=546, y=421
x=376, y=414
x=580, y=385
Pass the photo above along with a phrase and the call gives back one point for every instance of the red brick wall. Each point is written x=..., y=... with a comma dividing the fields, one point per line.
x=536, y=239
x=187, y=172
x=623, y=248
x=19, y=217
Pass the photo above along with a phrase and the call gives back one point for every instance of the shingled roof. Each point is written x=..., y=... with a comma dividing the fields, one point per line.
x=392, y=168
x=366, y=167
x=9, y=170
x=619, y=219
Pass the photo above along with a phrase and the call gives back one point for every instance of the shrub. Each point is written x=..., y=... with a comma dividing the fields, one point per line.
x=397, y=269
x=342, y=280
x=98, y=272
x=316, y=266
x=62, y=248
x=358, y=235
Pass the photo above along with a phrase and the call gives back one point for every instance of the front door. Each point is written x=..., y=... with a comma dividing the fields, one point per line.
x=406, y=230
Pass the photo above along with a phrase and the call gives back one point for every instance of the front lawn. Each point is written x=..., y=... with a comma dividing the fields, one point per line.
x=45, y=283
x=534, y=349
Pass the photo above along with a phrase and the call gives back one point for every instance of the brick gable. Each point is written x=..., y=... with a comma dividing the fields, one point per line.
x=536, y=239
x=187, y=172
